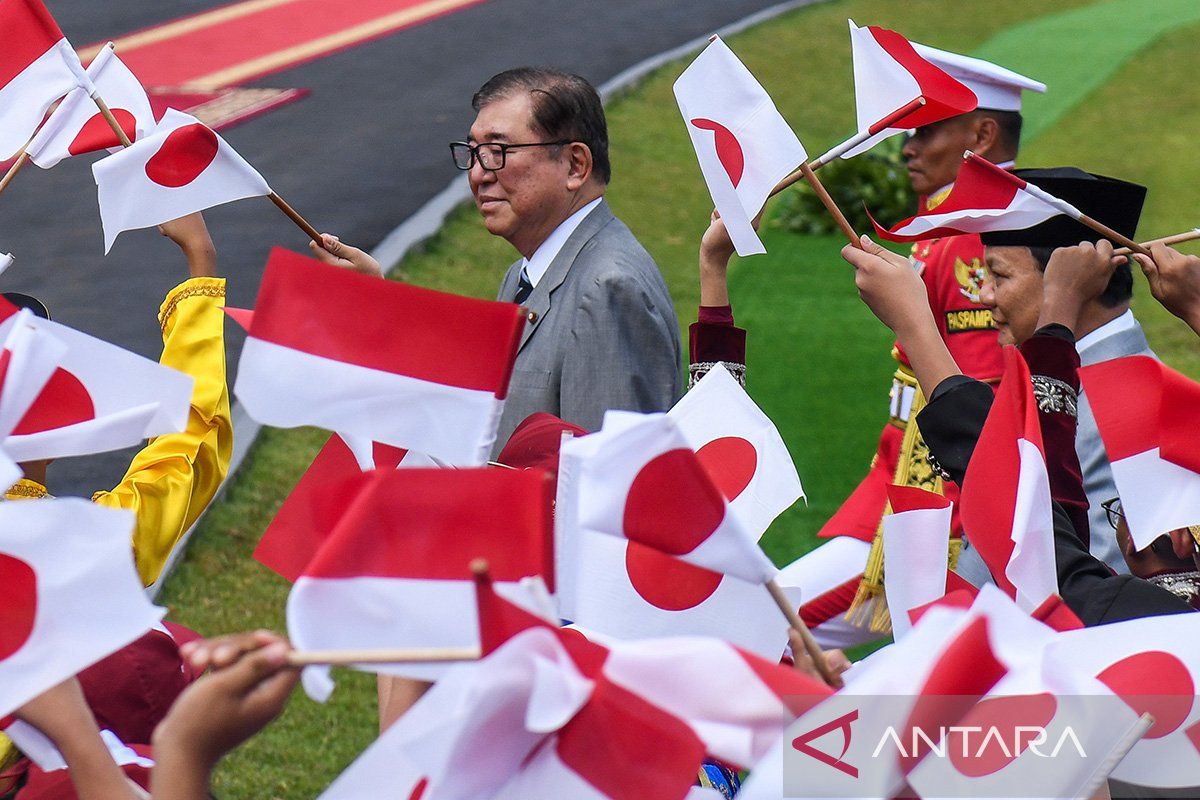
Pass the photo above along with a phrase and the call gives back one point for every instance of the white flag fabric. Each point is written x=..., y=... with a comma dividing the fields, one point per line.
x=744, y=145
x=6, y=261
x=180, y=168
x=740, y=448
x=100, y=398
x=378, y=359
x=37, y=67
x=645, y=485
x=71, y=593
x=916, y=538
x=630, y=591
x=1153, y=664
x=77, y=126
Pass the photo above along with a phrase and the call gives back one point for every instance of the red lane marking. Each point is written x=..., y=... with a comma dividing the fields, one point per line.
x=210, y=48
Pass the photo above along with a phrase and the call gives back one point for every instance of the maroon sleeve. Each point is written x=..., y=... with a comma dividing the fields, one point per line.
x=1054, y=365
x=714, y=337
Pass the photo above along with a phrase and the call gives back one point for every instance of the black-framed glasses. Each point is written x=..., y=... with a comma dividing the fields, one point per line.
x=1112, y=508
x=491, y=155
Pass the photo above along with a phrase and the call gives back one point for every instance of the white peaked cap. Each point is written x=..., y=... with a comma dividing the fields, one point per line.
x=996, y=87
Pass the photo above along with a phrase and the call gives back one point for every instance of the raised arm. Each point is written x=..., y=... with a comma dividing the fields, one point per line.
x=174, y=477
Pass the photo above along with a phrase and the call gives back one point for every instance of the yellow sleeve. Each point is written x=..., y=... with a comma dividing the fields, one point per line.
x=173, y=478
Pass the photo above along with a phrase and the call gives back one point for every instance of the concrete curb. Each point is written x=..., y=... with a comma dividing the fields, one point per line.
x=430, y=217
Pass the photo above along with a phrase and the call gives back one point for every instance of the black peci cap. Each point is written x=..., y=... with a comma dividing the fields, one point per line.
x=28, y=301
x=1116, y=203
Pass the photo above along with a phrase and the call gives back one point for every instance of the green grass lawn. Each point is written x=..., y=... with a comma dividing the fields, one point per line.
x=819, y=361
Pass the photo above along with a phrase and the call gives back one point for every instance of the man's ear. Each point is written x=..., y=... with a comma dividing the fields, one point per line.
x=986, y=134
x=1182, y=543
x=579, y=157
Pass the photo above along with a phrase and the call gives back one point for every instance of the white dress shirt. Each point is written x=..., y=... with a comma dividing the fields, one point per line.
x=544, y=256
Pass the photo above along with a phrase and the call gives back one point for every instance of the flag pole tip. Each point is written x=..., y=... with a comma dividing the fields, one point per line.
x=713, y=38
x=479, y=567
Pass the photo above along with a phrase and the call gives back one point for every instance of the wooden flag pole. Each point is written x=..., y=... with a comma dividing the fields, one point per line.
x=1063, y=206
x=797, y=624
x=830, y=205
x=106, y=112
x=343, y=658
x=1186, y=236
x=300, y=221
x=22, y=157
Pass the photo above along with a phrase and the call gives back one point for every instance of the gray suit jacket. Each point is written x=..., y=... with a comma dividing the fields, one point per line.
x=604, y=334
x=1097, y=473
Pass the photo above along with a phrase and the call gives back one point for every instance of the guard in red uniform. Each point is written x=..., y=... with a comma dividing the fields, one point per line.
x=843, y=579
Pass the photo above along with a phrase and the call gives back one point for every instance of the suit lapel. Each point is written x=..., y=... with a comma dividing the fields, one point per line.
x=508, y=284
x=539, y=300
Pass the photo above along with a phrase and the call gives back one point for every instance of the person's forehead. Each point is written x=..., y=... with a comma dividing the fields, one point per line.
x=1009, y=259
x=503, y=119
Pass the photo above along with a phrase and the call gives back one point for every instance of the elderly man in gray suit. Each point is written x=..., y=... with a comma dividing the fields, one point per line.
x=602, y=332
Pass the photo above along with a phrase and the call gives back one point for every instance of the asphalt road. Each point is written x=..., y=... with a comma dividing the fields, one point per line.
x=360, y=154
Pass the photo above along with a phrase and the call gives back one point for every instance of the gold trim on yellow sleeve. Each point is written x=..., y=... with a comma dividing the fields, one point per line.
x=26, y=489
x=194, y=287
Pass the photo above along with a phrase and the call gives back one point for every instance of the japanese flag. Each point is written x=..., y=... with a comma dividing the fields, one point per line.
x=916, y=538
x=628, y=590
x=1005, y=500
x=71, y=595
x=99, y=398
x=395, y=571
x=77, y=126
x=1148, y=415
x=377, y=359
x=982, y=200
x=740, y=449
x=744, y=146
x=1153, y=664
x=312, y=509
x=37, y=67
x=645, y=484
x=180, y=168
x=888, y=74
x=29, y=359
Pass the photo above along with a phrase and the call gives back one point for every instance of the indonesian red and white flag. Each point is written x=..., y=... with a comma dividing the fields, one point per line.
x=1153, y=664
x=313, y=508
x=984, y=198
x=1148, y=415
x=100, y=397
x=71, y=595
x=178, y=169
x=916, y=538
x=888, y=74
x=645, y=484
x=395, y=571
x=77, y=126
x=383, y=360
x=740, y=449
x=627, y=590
x=744, y=145
x=687, y=676
x=37, y=67
x=1005, y=500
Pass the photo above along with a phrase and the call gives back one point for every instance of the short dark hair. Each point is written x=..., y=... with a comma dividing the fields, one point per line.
x=1009, y=124
x=565, y=106
x=1120, y=287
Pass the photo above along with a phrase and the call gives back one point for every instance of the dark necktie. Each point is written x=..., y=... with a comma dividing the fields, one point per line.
x=524, y=288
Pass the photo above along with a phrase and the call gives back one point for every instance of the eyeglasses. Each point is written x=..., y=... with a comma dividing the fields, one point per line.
x=1114, y=511
x=491, y=155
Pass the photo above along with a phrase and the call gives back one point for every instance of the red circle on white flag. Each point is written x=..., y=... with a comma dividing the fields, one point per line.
x=64, y=400
x=18, y=604
x=419, y=790
x=998, y=717
x=97, y=134
x=731, y=462
x=668, y=509
x=729, y=149
x=665, y=582
x=183, y=156
x=1154, y=683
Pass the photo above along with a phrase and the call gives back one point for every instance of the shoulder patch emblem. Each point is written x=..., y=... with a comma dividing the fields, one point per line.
x=970, y=277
